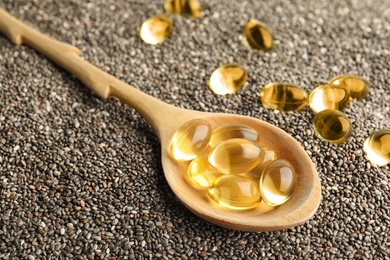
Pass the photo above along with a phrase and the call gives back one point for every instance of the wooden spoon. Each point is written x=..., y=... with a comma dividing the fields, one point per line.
x=166, y=119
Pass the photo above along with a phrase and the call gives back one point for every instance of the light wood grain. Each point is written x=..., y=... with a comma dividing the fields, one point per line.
x=166, y=119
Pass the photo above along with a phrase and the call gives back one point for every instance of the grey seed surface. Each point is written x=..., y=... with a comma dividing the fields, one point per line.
x=81, y=177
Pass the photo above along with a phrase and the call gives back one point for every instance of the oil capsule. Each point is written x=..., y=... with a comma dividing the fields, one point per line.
x=377, y=147
x=277, y=183
x=201, y=173
x=283, y=96
x=235, y=192
x=228, y=79
x=332, y=126
x=191, y=8
x=356, y=86
x=235, y=156
x=190, y=140
x=328, y=97
x=230, y=131
x=156, y=29
x=257, y=36
x=269, y=155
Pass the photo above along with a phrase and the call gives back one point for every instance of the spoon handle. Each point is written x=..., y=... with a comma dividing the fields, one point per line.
x=103, y=84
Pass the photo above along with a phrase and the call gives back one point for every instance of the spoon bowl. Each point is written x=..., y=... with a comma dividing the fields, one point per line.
x=166, y=119
x=297, y=210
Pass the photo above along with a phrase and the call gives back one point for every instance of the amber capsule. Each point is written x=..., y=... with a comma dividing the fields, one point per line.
x=190, y=8
x=328, y=97
x=235, y=156
x=277, y=182
x=156, y=29
x=356, y=86
x=283, y=96
x=257, y=36
x=269, y=155
x=230, y=131
x=377, y=147
x=235, y=192
x=228, y=79
x=250, y=175
x=201, y=172
x=190, y=140
x=332, y=126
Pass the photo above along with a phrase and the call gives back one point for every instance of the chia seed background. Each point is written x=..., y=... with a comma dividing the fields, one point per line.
x=80, y=177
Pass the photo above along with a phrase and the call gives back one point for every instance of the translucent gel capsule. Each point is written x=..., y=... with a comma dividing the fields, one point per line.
x=283, y=96
x=332, y=126
x=377, y=147
x=230, y=131
x=228, y=79
x=269, y=155
x=235, y=192
x=356, y=86
x=235, y=156
x=190, y=8
x=277, y=182
x=201, y=172
x=190, y=140
x=250, y=175
x=156, y=29
x=257, y=36
x=328, y=97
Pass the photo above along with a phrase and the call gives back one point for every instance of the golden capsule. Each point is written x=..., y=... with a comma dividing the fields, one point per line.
x=269, y=155
x=190, y=140
x=191, y=8
x=377, y=147
x=328, y=97
x=283, y=96
x=156, y=29
x=356, y=86
x=230, y=131
x=250, y=175
x=257, y=36
x=228, y=79
x=277, y=182
x=332, y=126
x=235, y=156
x=235, y=192
x=201, y=173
